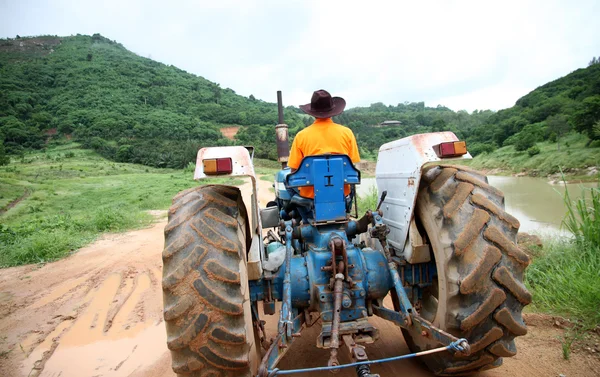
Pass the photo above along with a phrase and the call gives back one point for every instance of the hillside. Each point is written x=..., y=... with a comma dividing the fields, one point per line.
x=133, y=109
x=548, y=113
x=570, y=103
x=126, y=107
x=415, y=118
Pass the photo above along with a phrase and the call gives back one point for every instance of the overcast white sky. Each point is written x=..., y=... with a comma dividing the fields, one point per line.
x=462, y=54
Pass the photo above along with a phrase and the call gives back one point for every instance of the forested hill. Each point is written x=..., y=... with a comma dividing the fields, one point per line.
x=125, y=106
x=569, y=104
x=133, y=109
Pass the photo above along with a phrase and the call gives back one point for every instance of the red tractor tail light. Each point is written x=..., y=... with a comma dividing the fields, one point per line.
x=215, y=166
x=451, y=149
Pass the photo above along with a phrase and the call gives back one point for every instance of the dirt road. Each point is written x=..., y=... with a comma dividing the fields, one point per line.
x=99, y=313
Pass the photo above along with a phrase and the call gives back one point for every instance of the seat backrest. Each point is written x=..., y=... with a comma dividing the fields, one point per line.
x=327, y=174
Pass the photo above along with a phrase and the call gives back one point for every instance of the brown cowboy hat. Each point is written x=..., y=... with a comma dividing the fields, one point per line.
x=322, y=105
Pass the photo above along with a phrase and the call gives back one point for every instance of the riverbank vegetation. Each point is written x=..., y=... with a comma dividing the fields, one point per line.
x=60, y=199
x=573, y=158
x=565, y=277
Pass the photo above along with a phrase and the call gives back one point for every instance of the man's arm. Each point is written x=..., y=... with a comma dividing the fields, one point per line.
x=353, y=150
x=296, y=155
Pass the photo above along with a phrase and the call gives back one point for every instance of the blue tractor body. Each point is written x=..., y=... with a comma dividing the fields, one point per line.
x=311, y=256
x=323, y=270
x=317, y=226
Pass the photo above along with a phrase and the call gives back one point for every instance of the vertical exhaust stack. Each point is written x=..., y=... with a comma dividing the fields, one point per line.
x=281, y=130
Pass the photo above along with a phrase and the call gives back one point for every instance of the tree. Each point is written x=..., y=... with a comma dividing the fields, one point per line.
x=587, y=116
x=216, y=89
x=594, y=61
x=596, y=129
x=558, y=125
x=526, y=141
x=4, y=159
x=438, y=125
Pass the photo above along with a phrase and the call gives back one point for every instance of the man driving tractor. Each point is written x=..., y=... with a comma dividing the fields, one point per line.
x=323, y=136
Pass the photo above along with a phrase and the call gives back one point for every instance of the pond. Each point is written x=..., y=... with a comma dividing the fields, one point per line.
x=537, y=204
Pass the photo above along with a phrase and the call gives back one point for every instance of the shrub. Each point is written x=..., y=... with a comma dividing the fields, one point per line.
x=533, y=151
x=525, y=142
x=480, y=148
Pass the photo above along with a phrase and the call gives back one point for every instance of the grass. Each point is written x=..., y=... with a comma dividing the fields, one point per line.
x=367, y=202
x=583, y=218
x=565, y=279
x=9, y=192
x=573, y=155
x=77, y=195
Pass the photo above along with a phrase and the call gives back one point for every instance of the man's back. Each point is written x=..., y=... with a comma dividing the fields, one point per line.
x=322, y=137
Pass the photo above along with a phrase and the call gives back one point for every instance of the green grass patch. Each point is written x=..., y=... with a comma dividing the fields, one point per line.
x=367, y=202
x=565, y=281
x=10, y=191
x=77, y=195
x=573, y=154
x=267, y=178
x=266, y=164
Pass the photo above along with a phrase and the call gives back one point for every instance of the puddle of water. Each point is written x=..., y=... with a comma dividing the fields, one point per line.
x=38, y=353
x=120, y=321
x=89, y=326
x=108, y=358
x=85, y=349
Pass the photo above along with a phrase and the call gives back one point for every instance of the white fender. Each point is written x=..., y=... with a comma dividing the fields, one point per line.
x=398, y=172
x=241, y=166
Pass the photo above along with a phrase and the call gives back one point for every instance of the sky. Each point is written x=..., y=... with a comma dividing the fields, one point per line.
x=465, y=55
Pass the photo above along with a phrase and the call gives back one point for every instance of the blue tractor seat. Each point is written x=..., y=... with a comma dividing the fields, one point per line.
x=327, y=174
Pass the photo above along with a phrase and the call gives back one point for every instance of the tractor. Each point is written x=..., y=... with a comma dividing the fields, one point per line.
x=439, y=249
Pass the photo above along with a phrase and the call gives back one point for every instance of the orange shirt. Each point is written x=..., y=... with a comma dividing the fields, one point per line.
x=322, y=137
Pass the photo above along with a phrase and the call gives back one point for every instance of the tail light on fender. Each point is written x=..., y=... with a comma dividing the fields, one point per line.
x=451, y=149
x=216, y=166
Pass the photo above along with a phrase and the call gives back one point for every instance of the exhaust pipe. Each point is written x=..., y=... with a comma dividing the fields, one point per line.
x=281, y=131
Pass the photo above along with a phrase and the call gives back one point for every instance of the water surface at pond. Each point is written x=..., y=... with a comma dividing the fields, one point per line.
x=537, y=204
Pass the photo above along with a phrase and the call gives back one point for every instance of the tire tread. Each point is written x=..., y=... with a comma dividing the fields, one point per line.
x=484, y=267
x=203, y=292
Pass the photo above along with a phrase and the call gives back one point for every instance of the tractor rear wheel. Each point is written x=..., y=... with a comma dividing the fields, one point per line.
x=205, y=286
x=479, y=293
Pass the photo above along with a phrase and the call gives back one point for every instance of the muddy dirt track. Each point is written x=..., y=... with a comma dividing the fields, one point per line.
x=99, y=313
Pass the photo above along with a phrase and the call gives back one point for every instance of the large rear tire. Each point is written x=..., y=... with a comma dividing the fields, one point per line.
x=205, y=286
x=479, y=293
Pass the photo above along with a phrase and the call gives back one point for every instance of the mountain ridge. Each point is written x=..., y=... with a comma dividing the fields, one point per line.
x=132, y=109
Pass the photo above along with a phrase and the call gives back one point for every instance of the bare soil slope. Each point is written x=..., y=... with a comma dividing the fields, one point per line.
x=99, y=313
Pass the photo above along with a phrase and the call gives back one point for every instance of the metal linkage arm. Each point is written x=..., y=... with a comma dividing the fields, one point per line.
x=407, y=317
x=285, y=320
x=452, y=347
